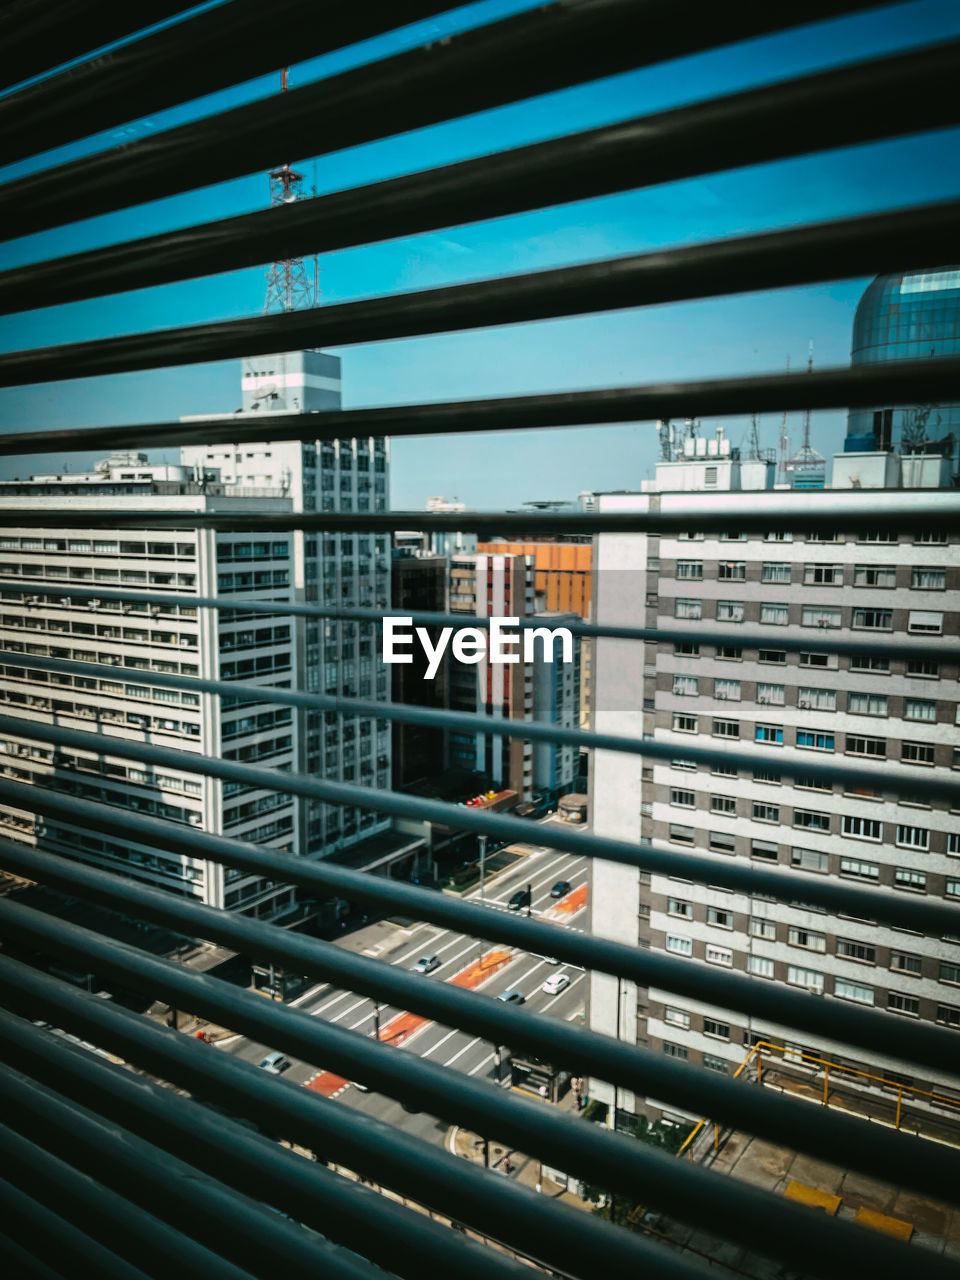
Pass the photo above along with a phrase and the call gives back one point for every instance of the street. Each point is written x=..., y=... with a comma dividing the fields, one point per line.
x=474, y=964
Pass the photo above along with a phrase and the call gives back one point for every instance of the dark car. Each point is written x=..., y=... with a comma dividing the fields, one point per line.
x=519, y=900
x=560, y=889
x=511, y=997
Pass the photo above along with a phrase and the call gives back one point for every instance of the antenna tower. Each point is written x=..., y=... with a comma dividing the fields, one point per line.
x=289, y=283
x=805, y=447
x=782, y=477
x=753, y=439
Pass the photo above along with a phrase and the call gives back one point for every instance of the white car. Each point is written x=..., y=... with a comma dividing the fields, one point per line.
x=556, y=983
x=274, y=1063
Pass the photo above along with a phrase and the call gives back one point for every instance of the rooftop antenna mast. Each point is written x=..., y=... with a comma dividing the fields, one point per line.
x=289, y=286
x=753, y=439
x=782, y=477
x=805, y=448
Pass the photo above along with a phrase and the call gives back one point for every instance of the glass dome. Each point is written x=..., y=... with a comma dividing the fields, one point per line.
x=912, y=316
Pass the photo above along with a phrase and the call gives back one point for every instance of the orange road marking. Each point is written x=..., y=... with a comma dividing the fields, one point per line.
x=573, y=902
x=402, y=1027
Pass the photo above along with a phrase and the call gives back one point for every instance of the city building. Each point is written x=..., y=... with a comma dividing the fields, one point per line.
x=419, y=584
x=870, y=585
x=338, y=570
x=911, y=316
x=134, y=637
x=563, y=577
x=502, y=585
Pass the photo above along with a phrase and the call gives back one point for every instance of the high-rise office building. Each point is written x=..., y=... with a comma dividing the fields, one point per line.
x=419, y=585
x=336, y=569
x=870, y=585
x=133, y=638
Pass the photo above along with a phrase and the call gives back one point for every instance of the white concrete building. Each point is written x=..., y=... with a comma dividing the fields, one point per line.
x=874, y=585
x=340, y=570
x=132, y=637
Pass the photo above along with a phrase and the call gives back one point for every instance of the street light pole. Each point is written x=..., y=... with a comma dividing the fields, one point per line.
x=483, y=869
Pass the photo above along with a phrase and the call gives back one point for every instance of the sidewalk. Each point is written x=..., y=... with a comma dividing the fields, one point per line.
x=522, y=1168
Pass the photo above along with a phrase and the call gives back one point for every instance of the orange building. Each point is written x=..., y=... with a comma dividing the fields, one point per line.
x=562, y=571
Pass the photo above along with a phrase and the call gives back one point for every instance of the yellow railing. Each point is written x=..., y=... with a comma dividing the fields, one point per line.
x=800, y=1057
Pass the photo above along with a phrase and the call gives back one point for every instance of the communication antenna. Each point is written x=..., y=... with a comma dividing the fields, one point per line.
x=289, y=286
x=782, y=477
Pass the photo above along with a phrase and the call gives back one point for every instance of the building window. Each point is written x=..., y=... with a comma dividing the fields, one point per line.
x=821, y=660
x=679, y=946
x=773, y=571
x=675, y=1051
x=775, y=615
x=953, y=842
x=924, y=668
x=857, y=745
x=778, y=537
x=949, y=973
x=862, y=828
x=678, y=907
x=906, y=878
x=809, y=859
x=723, y=804
x=686, y=686
x=687, y=799
x=729, y=653
x=867, y=662
x=773, y=695
x=808, y=978
x=874, y=575
x=872, y=620
x=727, y=690
x=767, y=775
x=689, y=765
x=774, y=657
x=899, y=1003
x=919, y=709
x=765, y=812
x=729, y=610
x=861, y=951
x=722, y=842
x=878, y=535
x=686, y=649
x=760, y=966
x=731, y=571
x=721, y=919
x=719, y=1030
x=761, y=928
x=816, y=699
x=811, y=820
x=683, y=723
x=846, y=990
x=904, y=962
x=765, y=850
x=806, y=938
x=817, y=616
x=680, y=834
x=676, y=1017
x=726, y=728
x=692, y=609
x=916, y=752
x=771, y=733
x=948, y=1015
x=814, y=740
x=867, y=704
x=928, y=579
x=913, y=837
x=713, y=1063
x=690, y=569
x=858, y=869
x=824, y=575
x=925, y=622
x=718, y=955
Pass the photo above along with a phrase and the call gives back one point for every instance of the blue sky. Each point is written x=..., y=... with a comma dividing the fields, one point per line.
x=751, y=332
